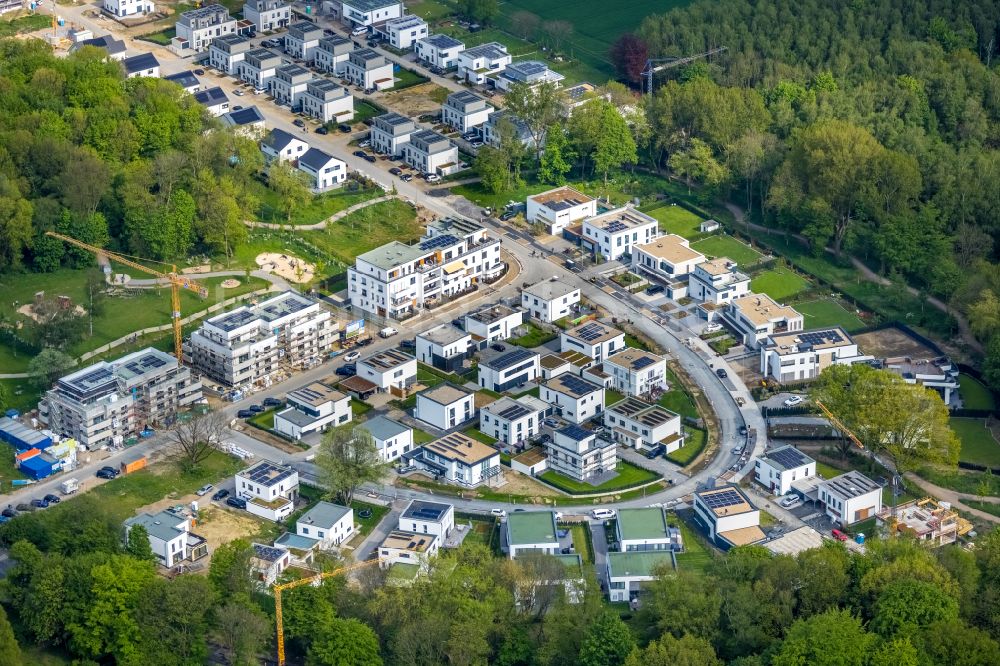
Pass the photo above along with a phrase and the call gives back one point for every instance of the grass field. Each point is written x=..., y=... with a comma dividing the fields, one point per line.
x=696, y=440
x=974, y=394
x=480, y=436
x=27, y=23
x=534, y=337
x=628, y=475
x=696, y=556
x=727, y=246
x=677, y=220
x=366, y=229
x=162, y=37
x=515, y=46
x=407, y=78
x=321, y=207
x=677, y=400
x=363, y=111
x=778, y=283
x=978, y=443
x=824, y=313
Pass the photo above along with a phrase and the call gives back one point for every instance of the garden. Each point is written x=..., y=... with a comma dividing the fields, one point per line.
x=727, y=246
x=979, y=445
x=678, y=220
x=778, y=283
x=827, y=312
x=629, y=476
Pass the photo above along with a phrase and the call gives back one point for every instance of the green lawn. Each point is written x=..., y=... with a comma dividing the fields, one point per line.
x=368, y=524
x=430, y=10
x=978, y=444
x=321, y=207
x=581, y=542
x=638, y=343
x=827, y=471
x=516, y=47
x=422, y=436
x=959, y=480
x=612, y=396
x=480, y=436
x=265, y=419
x=628, y=475
x=407, y=78
x=974, y=394
x=481, y=530
x=677, y=400
x=535, y=336
x=363, y=111
x=778, y=283
x=677, y=220
x=727, y=246
x=27, y=23
x=367, y=229
x=828, y=312
x=696, y=440
x=162, y=37
x=696, y=556
x=988, y=507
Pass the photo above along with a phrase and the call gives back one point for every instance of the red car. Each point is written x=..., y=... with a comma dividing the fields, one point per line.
x=838, y=535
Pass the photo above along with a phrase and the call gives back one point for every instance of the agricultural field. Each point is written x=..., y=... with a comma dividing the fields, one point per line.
x=676, y=220
x=778, y=283
x=826, y=312
x=727, y=246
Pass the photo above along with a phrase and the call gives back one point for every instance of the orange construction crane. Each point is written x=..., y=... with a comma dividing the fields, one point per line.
x=306, y=581
x=175, y=280
x=840, y=426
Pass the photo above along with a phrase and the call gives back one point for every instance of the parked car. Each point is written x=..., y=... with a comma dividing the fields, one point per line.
x=345, y=128
x=322, y=130
x=359, y=153
x=244, y=414
x=509, y=215
x=794, y=400
x=238, y=92
x=721, y=372
x=40, y=503
x=790, y=501
x=395, y=171
x=654, y=289
x=371, y=159
x=408, y=344
x=656, y=451
x=348, y=370
x=387, y=332
x=603, y=514
x=743, y=431
x=476, y=144
x=107, y=473
x=236, y=503
x=220, y=494
x=271, y=402
x=433, y=178
x=8, y=512
x=237, y=107
x=352, y=356
x=204, y=490
x=546, y=437
x=298, y=122
x=712, y=327
x=52, y=499
x=737, y=450
x=496, y=346
x=363, y=342
x=199, y=72
x=256, y=409
x=406, y=177
x=499, y=513
x=838, y=535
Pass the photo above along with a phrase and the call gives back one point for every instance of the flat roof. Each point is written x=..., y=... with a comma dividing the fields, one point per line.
x=743, y=535
x=443, y=334
x=387, y=360
x=324, y=514
x=424, y=510
x=491, y=314
x=796, y=541
x=442, y=41
x=141, y=363
x=371, y=5
x=672, y=248
x=571, y=385
x=358, y=384
x=633, y=358
x=230, y=321
x=315, y=394
x=728, y=500
x=786, y=458
x=561, y=198
x=383, y=428
x=593, y=332
x=408, y=541
x=501, y=360
x=267, y=473
x=532, y=527
x=816, y=339
x=850, y=485
x=508, y=408
x=718, y=266
x=620, y=219
x=762, y=309
x=532, y=456
x=553, y=361
x=445, y=394
x=643, y=412
x=638, y=564
x=575, y=358
x=488, y=50
x=461, y=448
x=282, y=305
x=550, y=289
x=393, y=254
x=639, y=524
x=162, y=525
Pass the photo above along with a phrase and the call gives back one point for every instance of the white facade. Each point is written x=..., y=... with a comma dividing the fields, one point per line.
x=508, y=369
x=402, y=32
x=368, y=69
x=325, y=171
x=558, y=208
x=267, y=15
x=596, y=340
x=513, y=422
x=528, y=72
x=458, y=458
x=404, y=547
x=580, y=453
x=493, y=323
x=628, y=571
x=574, y=398
x=282, y=146
x=439, y=50
x=756, y=317
x=646, y=529
x=289, y=84
x=667, y=258
x=330, y=524
x=168, y=535
x=445, y=406
x=613, y=234
x=464, y=110
x=777, y=469
x=718, y=282
x=532, y=532
x=126, y=8
x=388, y=369
x=635, y=371
x=392, y=439
x=302, y=40
x=727, y=516
x=269, y=562
x=312, y=408
x=369, y=12
x=142, y=65
x=198, y=27
x=550, y=300
x=474, y=64
x=642, y=426
x=269, y=489
x=850, y=498
x=258, y=68
x=390, y=132
x=445, y=347
x=326, y=101
x=226, y=52
x=422, y=517
x=430, y=152
x=332, y=53
x=803, y=355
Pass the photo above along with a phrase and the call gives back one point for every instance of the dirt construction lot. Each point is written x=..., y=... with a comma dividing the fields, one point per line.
x=893, y=343
x=216, y=524
x=416, y=101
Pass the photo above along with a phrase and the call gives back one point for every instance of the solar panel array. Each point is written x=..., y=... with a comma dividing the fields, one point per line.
x=511, y=358
x=93, y=379
x=820, y=337
x=514, y=412
x=643, y=362
x=426, y=511
x=576, y=433
x=723, y=499
x=234, y=320
x=288, y=305
x=268, y=474
x=576, y=385
x=530, y=67
x=590, y=332
x=445, y=240
x=788, y=457
x=615, y=227
x=145, y=364
x=268, y=553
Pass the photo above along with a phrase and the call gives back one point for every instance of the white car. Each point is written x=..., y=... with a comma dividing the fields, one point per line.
x=433, y=178
x=791, y=501
x=204, y=490
x=499, y=513
x=352, y=356
x=603, y=514
x=712, y=327
x=794, y=400
x=238, y=92
x=559, y=516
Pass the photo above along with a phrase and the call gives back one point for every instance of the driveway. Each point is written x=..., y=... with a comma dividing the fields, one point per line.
x=600, y=542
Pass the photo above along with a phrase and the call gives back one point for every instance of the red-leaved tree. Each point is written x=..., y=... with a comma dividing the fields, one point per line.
x=629, y=55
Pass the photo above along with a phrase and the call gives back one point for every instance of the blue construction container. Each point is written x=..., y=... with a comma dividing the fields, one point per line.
x=859, y=539
x=21, y=437
x=36, y=468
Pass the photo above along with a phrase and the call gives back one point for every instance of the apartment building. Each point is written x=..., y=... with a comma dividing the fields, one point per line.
x=267, y=15
x=367, y=13
x=403, y=32
x=332, y=53
x=390, y=132
x=803, y=355
x=430, y=152
x=550, y=300
x=527, y=72
x=465, y=110
x=446, y=406
x=368, y=69
x=196, y=28
x=289, y=85
x=444, y=347
x=243, y=346
x=503, y=370
x=575, y=399
x=580, y=454
x=718, y=282
x=558, y=208
x=108, y=402
x=757, y=317
x=670, y=259
x=493, y=323
x=302, y=40
x=396, y=280
x=226, y=52
x=636, y=371
x=615, y=233
x=439, y=50
x=596, y=340
x=474, y=64
x=514, y=422
x=326, y=101
x=258, y=68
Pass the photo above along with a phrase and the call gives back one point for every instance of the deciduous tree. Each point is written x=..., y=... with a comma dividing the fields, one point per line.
x=195, y=440
x=832, y=638
x=48, y=366
x=344, y=643
x=687, y=650
x=348, y=459
x=242, y=632
x=137, y=544
x=538, y=107
x=609, y=641
x=629, y=54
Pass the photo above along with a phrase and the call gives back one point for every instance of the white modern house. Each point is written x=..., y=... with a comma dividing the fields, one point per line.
x=635, y=371
x=302, y=40
x=267, y=15
x=196, y=28
x=493, y=322
x=444, y=347
x=392, y=438
x=332, y=53
x=507, y=369
x=248, y=122
x=269, y=489
x=718, y=282
x=214, y=100
x=226, y=52
x=326, y=101
x=457, y=458
x=170, y=537
x=669, y=259
x=849, y=498
x=778, y=468
x=127, y=8
x=640, y=425
x=368, y=69
x=403, y=547
x=312, y=408
x=289, y=84
x=465, y=110
x=430, y=152
x=727, y=516
x=628, y=571
x=258, y=68
x=328, y=523
x=269, y=562
x=446, y=406
x=596, y=340
x=404, y=31
x=528, y=72
x=574, y=398
x=615, y=233
x=558, y=208
x=388, y=369
x=756, y=317
x=550, y=300
x=186, y=80
x=423, y=517
x=142, y=65
x=324, y=170
x=512, y=421
x=439, y=50
x=803, y=355
x=531, y=532
x=390, y=132
x=474, y=64
x=282, y=146
x=646, y=529
x=367, y=13
x=580, y=453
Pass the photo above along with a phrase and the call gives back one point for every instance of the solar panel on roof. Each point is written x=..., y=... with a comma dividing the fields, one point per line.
x=510, y=358
x=576, y=384
x=722, y=499
x=576, y=433
x=590, y=332
x=643, y=362
x=615, y=227
x=438, y=241
x=788, y=458
x=513, y=412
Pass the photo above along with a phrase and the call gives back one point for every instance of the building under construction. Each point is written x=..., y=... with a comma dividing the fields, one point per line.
x=109, y=402
x=929, y=521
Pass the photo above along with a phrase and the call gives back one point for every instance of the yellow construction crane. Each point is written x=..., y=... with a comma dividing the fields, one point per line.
x=306, y=581
x=840, y=426
x=175, y=280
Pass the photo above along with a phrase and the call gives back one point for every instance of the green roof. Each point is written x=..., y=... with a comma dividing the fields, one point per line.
x=640, y=524
x=573, y=563
x=393, y=254
x=531, y=527
x=639, y=563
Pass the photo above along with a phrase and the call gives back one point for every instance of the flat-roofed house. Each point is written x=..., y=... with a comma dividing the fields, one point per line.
x=646, y=529
x=423, y=517
x=439, y=50
x=368, y=69
x=457, y=458
x=778, y=468
x=758, y=316
x=465, y=110
x=717, y=282
x=558, y=208
x=312, y=408
x=170, y=537
x=475, y=63
x=368, y=13
x=727, y=516
x=575, y=399
x=302, y=40
x=269, y=489
x=332, y=53
x=803, y=355
x=581, y=454
x=502, y=370
x=430, y=152
x=390, y=132
x=326, y=101
x=614, y=234
x=403, y=32
x=492, y=323
x=196, y=28
x=407, y=548
x=643, y=426
x=288, y=85
x=444, y=347
x=628, y=571
x=635, y=371
x=849, y=498
x=511, y=421
x=226, y=52
x=670, y=259
x=267, y=15
x=550, y=300
x=596, y=340
x=528, y=72
x=388, y=369
x=446, y=406
x=531, y=532
x=328, y=523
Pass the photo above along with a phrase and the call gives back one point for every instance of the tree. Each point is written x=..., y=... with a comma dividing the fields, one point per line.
x=832, y=638
x=291, y=185
x=608, y=641
x=687, y=650
x=173, y=619
x=957, y=644
x=524, y=24
x=16, y=231
x=481, y=11
x=348, y=459
x=685, y=602
x=48, y=366
x=196, y=439
x=557, y=159
x=538, y=107
x=824, y=575
x=895, y=652
x=231, y=571
x=697, y=162
x=57, y=326
x=344, y=643
x=241, y=631
x=629, y=54
x=556, y=33
x=752, y=158
x=615, y=146
x=10, y=651
x=138, y=544
x=908, y=607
